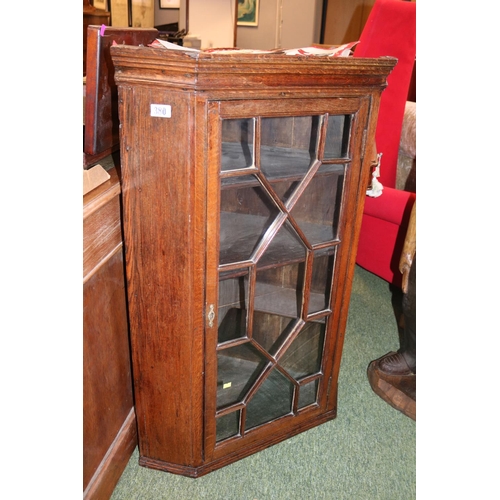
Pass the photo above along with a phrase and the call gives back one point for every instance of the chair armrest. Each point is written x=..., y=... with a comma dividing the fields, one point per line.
x=393, y=206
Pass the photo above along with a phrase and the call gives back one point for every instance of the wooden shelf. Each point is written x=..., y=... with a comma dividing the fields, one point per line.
x=278, y=164
x=285, y=302
x=241, y=233
x=280, y=301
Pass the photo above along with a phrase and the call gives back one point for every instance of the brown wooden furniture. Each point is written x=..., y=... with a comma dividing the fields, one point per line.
x=109, y=424
x=243, y=181
x=101, y=134
x=109, y=434
x=91, y=15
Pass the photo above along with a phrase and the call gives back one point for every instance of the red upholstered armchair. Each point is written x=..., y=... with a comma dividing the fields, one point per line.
x=389, y=31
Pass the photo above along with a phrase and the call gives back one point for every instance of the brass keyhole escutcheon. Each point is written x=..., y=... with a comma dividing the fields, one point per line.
x=211, y=316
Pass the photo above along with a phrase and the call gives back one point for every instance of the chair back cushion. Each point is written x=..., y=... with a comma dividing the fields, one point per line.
x=391, y=31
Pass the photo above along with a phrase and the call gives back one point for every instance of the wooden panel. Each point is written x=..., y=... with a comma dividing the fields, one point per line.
x=101, y=101
x=159, y=230
x=109, y=424
x=101, y=224
x=109, y=471
x=107, y=383
x=91, y=15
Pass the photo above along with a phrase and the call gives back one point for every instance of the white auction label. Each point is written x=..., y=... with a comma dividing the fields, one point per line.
x=161, y=110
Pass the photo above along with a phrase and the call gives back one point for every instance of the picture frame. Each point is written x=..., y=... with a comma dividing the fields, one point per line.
x=248, y=13
x=170, y=4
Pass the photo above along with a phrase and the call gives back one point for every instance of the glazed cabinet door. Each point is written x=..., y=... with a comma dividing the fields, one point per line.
x=283, y=176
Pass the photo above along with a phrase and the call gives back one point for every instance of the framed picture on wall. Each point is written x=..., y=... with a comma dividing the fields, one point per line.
x=248, y=12
x=170, y=4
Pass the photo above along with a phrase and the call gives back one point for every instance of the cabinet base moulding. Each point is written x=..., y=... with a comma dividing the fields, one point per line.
x=195, y=472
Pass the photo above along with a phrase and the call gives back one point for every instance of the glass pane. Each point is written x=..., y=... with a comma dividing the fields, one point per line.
x=233, y=324
x=247, y=211
x=279, y=290
x=233, y=305
x=273, y=399
x=317, y=210
x=288, y=145
x=275, y=346
x=285, y=189
x=303, y=356
x=285, y=246
x=337, y=136
x=271, y=330
x=237, y=144
x=323, y=262
x=237, y=369
x=228, y=425
x=308, y=393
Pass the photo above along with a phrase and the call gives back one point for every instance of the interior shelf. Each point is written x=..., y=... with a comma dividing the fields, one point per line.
x=277, y=163
x=281, y=301
x=285, y=302
x=241, y=233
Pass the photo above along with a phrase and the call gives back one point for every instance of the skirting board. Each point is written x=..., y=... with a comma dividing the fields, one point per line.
x=113, y=464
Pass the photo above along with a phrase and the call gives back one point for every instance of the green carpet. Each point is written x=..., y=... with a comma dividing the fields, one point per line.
x=366, y=453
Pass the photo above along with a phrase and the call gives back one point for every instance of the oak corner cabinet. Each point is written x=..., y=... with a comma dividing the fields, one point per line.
x=243, y=181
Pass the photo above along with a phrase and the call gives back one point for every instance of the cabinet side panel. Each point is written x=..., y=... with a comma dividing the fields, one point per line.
x=160, y=241
x=349, y=224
